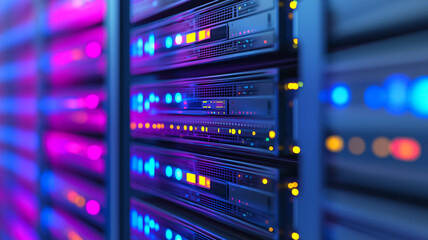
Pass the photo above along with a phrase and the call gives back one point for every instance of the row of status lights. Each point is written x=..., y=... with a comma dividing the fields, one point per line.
x=401, y=148
x=92, y=50
x=137, y=222
x=140, y=47
x=139, y=104
x=397, y=95
x=92, y=206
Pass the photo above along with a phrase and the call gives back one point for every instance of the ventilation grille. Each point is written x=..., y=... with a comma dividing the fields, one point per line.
x=213, y=51
x=217, y=205
x=218, y=136
x=216, y=172
x=214, y=17
x=216, y=91
x=200, y=237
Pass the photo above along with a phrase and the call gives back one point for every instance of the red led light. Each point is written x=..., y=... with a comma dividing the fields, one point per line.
x=405, y=149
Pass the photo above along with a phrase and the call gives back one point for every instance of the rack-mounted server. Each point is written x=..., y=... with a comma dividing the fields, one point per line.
x=250, y=196
x=248, y=111
x=215, y=31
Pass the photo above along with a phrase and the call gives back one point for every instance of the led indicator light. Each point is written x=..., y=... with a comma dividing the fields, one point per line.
x=272, y=134
x=168, y=171
x=168, y=42
x=190, y=177
x=178, y=174
x=93, y=207
x=295, y=236
x=254, y=133
x=178, y=39
x=405, y=149
x=191, y=37
x=375, y=97
x=202, y=35
x=168, y=98
x=178, y=237
x=295, y=192
x=296, y=149
x=168, y=234
x=418, y=99
x=147, y=125
x=334, y=143
x=271, y=229
x=264, y=181
x=340, y=95
x=293, y=5
x=201, y=181
x=178, y=97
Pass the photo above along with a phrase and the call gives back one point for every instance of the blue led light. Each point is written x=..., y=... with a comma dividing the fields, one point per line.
x=157, y=99
x=418, y=99
x=157, y=227
x=375, y=97
x=140, y=223
x=152, y=97
x=168, y=171
x=140, y=166
x=168, y=42
x=147, y=105
x=178, y=237
x=146, y=230
x=140, y=98
x=178, y=174
x=178, y=97
x=396, y=93
x=340, y=95
x=134, y=219
x=168, y=98
x=152, y=44
x=140, y=47
x=168, y=234
x=146, y=219
x=134, y=163
x=152, y=223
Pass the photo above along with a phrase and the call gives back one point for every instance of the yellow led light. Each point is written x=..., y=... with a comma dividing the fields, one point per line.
x=296, y=149
x=218, y=130
x=206, y=129
x=191, y=37
x=202, y=35
x=293, y=4
x=140, y=125
x=178, y=127
x=191, y=128
x=334, y=143
x=208, y=33
x=162, y=126
x=185, y=127
x=270, y=148
x=254, y=133
x=295, y=236
x=171, y=126
x=290, y=185
x=271, y=229
x=295, y=192
x=158, y=125
x=191, y=178
x=239, y=131
x=154, y=126
x=208, y=181
x=272, y=134
x=202, y=128
x=295, y=184
x=147, y=125
x=264, y=181
x=296, y=41
x=201, y=180
x=233, y=131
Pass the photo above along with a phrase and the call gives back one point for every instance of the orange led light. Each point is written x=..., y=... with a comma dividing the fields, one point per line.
x=133, y=126
x=271, y=229
x=154, y=126
x=334, y=143
x=140, y=125
x=272, y=134
x=147, y=125
x=171, y=126
x=405, y=149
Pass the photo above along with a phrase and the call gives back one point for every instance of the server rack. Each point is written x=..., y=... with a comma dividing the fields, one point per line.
x=369, y=152
x=194, y=94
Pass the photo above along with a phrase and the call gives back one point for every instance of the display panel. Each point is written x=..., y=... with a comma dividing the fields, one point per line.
x=216, y=31
x=246, y=111
x=247, y=195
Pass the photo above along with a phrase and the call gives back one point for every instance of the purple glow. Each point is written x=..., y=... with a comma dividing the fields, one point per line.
x=93, y=50
x=92, y=101
x=93, y=207
x=94, y=152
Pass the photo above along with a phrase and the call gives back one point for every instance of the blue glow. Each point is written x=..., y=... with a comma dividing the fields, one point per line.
x=418, y=99
x=48, y=182
x=157, y=99
x=375, y=97
x=140, y=47
x=134, y=163
x=178, y=237
x=147, y=105
x=168, y=234
x=147, y=230
x=134, y=219
x=157, y=227
x=340, y=95
x=146, y=219
x=168, y=42
x=140, y=166
x=396, y=93
x=140, y=223
x=178, y=97
x=152, y=97
x=140, y=98
x=168, y=98
x=134, y=103
x=168, y=171
x=152, y=223
x=157, y=165
x=178, y=174
x=149, y=167
x=152, y=44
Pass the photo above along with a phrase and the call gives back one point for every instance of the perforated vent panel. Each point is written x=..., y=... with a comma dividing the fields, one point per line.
x=216, y=172
x=216, y=91
x=214, y=17
x=212, y=51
